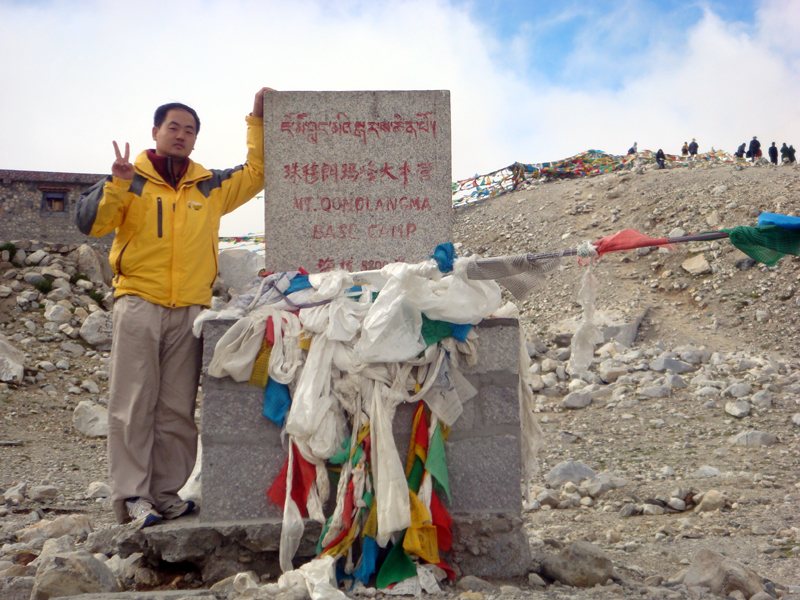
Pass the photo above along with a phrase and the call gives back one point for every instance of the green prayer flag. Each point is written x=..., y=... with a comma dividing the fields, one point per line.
x=415, y=476
x=397, y=567
x=436, y=464
x=766, y=243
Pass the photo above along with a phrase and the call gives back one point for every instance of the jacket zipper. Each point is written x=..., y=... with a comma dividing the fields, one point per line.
x=119, y=260
x=216, y=265
x=160, y=217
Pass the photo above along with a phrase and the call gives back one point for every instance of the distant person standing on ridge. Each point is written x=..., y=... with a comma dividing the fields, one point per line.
x=773, y=154
x=755, y=148
x=693, y=148
x=784, y=152
x=740, y=150
x=791, y=152
x=660, y=158
x=685, y=149
x=633, y=149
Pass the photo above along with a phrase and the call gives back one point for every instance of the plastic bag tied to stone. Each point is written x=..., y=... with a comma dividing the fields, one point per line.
x=588, y=334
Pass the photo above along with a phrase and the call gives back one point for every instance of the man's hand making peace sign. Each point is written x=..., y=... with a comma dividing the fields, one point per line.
x=122, y=168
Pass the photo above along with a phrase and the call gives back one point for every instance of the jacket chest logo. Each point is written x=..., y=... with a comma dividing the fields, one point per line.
x=194, y=205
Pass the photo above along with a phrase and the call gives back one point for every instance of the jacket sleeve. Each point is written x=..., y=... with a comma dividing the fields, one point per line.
x=101, y=208
x=242, y=183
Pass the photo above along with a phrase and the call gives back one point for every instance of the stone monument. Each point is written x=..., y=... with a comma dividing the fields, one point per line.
x=355, y=180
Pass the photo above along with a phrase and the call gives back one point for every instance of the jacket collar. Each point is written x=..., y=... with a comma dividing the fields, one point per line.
x=194, y=172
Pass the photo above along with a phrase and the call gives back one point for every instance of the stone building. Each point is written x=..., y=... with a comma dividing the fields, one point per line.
x=39, y=205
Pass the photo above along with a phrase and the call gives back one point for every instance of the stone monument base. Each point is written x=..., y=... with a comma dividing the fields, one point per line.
x=242, y=455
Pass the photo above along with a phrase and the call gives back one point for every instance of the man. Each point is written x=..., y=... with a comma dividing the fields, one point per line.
x=740, y=151
x=166, y=210
x=693, y=147
x=784, y=153
x=773, y=154
x=755, y=149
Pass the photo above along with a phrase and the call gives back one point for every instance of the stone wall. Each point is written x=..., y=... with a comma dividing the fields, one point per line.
x=242, y=454
x=38, y=205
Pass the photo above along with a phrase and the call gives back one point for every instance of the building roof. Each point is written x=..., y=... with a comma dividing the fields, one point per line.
x=7, y=177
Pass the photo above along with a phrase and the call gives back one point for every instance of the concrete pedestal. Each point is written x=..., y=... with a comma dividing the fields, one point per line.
x=242, y=455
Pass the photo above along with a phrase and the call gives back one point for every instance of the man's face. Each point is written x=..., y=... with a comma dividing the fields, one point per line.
x=177, y=135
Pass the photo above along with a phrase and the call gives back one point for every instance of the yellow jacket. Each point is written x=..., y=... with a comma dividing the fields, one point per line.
x=167, y=241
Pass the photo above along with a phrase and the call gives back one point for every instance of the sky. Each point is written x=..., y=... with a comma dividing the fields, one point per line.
x=530, y=81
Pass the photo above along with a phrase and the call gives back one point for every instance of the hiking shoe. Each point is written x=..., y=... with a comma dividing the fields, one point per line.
x=178, y=509
x=142, y=512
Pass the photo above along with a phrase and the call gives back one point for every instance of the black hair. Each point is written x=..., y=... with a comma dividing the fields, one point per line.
x=161, y=113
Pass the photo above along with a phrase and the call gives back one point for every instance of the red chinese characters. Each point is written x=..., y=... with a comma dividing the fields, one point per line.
x=313, y=173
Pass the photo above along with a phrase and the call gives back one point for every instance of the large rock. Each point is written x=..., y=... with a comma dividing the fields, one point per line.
x=90, y=419
x=697, y=265
x=16, y=588
x=238, y=267
x=580, y=564
x=579, y=399
x=57, y=314
x=91, y=264
x=754, y=439
x=11, y=362
x=602, y=483
x=70, y=574
x=722, y=575
x=97, y=330
x=61, y=526
x=571, y=470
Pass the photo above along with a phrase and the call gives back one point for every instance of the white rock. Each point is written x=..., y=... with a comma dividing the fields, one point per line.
x=97, y=329
x=57, y=314
x=98, y=489
x=697, y=265
x=754, y=439
x=11, y=362
x=738, y=409
x=90, y=419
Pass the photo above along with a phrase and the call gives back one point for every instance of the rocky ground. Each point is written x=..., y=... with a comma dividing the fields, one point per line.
x=696, y=427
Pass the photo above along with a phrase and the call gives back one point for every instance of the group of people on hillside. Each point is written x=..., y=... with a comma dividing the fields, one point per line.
x=754, y=152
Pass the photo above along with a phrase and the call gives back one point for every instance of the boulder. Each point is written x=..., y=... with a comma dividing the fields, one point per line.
x=97, y=330
x=61, y=526
x=238, y=267
x=43, y=493
x=57, y=314
x=697, y=265
x=722, y=575
x=91, y=264
x=754, y=439
x=11, y=362
x=580, y=564
x=571, y=470
x=98, y=489
x=738, y=409
x=602, y=483
x=712, y=500
x=70, y=574
x=16, y=588
x=90, y=419
x=579, y=399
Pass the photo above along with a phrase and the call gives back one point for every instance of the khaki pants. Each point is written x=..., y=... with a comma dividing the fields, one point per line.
x=154, y=374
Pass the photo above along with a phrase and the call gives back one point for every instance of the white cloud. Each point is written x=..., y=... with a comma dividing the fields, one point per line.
x=83, y=73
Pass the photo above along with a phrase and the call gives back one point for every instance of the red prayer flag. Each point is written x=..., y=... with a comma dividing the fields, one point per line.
x=303, y=476
x=628, y=239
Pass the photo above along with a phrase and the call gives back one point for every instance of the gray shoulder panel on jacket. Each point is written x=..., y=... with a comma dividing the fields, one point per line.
x=216, y=180
x=137, y=185
x=86, y=209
